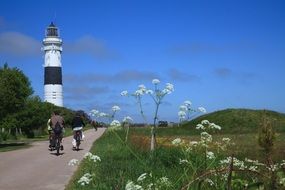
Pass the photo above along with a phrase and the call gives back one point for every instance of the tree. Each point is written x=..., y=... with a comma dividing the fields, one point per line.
x=15, y=89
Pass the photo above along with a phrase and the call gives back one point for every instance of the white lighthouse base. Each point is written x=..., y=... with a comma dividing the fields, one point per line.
x=53, y=94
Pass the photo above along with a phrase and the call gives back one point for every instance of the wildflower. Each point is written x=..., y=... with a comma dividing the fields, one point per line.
x=209, y=181
x=116, y=108
x=193, y=143
x=92, y=157
x=115, y=125
x=164, y=181
x=88, y=154
x=124, y=93
x=177, y=141
x=183, y=161
x=187, y=103
x=226, y=140
x=149, y=92
x=139, y=93
x=131, y=186
x=205, y=122
x=169, y=87
x=166, y=91
x=201, y=109
x=253, y=168
x=142, y=177
x=127, y=119
x=155, y=81
x=85, y=179
x=142, y=87
x=103, y=114
x=200, y=126
x=282, y=181
x=183, y=108
x=210, y=155
x=206, y=137
x=94, y=112
x=182, y=114
x=73, y=162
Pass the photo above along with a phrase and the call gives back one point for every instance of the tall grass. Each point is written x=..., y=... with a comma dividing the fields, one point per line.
x=123, y=162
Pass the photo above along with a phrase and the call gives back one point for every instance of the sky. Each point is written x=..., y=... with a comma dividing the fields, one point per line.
x=218, y=54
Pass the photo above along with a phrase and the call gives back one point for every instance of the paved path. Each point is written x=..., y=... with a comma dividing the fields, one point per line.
x=37, y=168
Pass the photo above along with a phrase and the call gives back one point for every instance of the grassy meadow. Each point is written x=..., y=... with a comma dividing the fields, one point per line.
x=123, y=161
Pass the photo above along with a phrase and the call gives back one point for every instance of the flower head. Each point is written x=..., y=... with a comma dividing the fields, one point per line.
x=169, y=87
x=187, y=103
x=201, y=109
x=183, y=108
x=182, y=114
x=177, y=141
x=116, y=108
x=85, y=179
x=115, y=125
x=124, y=93
x=155, y=81
x=127, y=119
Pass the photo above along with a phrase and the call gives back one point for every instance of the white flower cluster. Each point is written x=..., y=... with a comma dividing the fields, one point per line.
x=201, y=109
x=184, y=161
x=185, y=110
x=96, y=113
x=182, y=115
x=132, y=186
x=127, y=119
x=177, y=141
x=73, y=162
x=210, y=155
x=282, y=182
x=206, y=137
x=85, y=179
x=115, y=125
x=155, y=81
x=211, y=183
x=236, y=162
x=205, y=124
x=147, y=182
x=116, y=108
x=92, y=157
x=124, y=93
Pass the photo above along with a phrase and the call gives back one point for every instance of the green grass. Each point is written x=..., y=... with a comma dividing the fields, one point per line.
x=239, y=121
x=122, y=162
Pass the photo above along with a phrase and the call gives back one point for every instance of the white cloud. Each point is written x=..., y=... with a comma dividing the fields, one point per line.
x=18, y=44
x=90, y=46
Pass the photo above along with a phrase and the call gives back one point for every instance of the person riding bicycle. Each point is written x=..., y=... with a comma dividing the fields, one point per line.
x=49, y=130
x=57, y=125
x=77, y=125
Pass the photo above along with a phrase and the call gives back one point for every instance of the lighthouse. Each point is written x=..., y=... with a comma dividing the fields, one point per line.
x=52, y=47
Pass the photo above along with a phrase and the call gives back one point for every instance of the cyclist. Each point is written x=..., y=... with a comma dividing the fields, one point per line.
x=77, y=125
x=57, y=125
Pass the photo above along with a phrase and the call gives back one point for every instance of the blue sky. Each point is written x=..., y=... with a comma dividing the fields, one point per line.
x=218, y=54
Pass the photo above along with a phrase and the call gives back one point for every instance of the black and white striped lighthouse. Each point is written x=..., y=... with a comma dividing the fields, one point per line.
x=53, y=72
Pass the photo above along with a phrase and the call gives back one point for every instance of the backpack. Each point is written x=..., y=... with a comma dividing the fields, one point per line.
x=57, y=128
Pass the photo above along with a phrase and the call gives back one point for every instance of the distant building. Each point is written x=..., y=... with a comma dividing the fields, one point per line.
x=52, y=66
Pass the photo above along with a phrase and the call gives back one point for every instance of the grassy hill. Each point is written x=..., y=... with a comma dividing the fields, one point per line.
x=241, y=120
x=232, y=121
